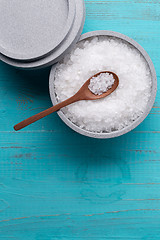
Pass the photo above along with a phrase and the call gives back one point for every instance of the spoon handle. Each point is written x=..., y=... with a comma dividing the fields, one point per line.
x=45, y=113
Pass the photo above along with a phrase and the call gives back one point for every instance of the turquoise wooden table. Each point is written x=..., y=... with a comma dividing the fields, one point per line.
x=56, y=184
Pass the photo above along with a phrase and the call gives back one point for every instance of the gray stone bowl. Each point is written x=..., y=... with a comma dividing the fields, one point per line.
x=136, y=122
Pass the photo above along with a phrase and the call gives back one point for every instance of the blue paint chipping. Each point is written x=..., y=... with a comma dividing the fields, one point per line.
x=56, y=184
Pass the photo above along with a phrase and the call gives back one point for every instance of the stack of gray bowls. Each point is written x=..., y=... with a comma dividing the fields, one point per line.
x=36, y=34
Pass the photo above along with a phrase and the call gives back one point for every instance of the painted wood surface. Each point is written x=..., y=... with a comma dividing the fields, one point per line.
x=56, y=184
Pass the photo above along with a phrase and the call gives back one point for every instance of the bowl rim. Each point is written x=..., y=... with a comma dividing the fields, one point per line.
x=137, y=121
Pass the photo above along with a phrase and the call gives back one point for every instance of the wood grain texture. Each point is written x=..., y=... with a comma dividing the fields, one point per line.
x=56, y=184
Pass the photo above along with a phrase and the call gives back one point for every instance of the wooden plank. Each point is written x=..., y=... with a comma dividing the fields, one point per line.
x=56, y=184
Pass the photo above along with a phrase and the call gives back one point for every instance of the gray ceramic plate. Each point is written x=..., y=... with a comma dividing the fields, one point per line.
x=32, y=29
x=135, y=123
x=68, y=43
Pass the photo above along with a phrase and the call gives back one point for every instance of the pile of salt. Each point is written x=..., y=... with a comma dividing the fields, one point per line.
x=125, y=104
x=101, y=83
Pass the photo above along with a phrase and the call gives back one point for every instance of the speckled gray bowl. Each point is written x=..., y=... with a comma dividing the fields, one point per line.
x=58, y=54
x=136, y=122
x=31, y=30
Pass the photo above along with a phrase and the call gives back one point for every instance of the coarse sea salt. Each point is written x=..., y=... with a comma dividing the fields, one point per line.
x=125, y=104
x=101, y=83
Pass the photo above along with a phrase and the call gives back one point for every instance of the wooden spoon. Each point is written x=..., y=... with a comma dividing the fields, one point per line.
x=83, y=94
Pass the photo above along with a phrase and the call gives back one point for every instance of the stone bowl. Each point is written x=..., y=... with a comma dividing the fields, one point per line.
x=136, y=122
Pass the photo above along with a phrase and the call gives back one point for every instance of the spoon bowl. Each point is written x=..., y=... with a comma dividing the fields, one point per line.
x=83, y=94
x=88, y=95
